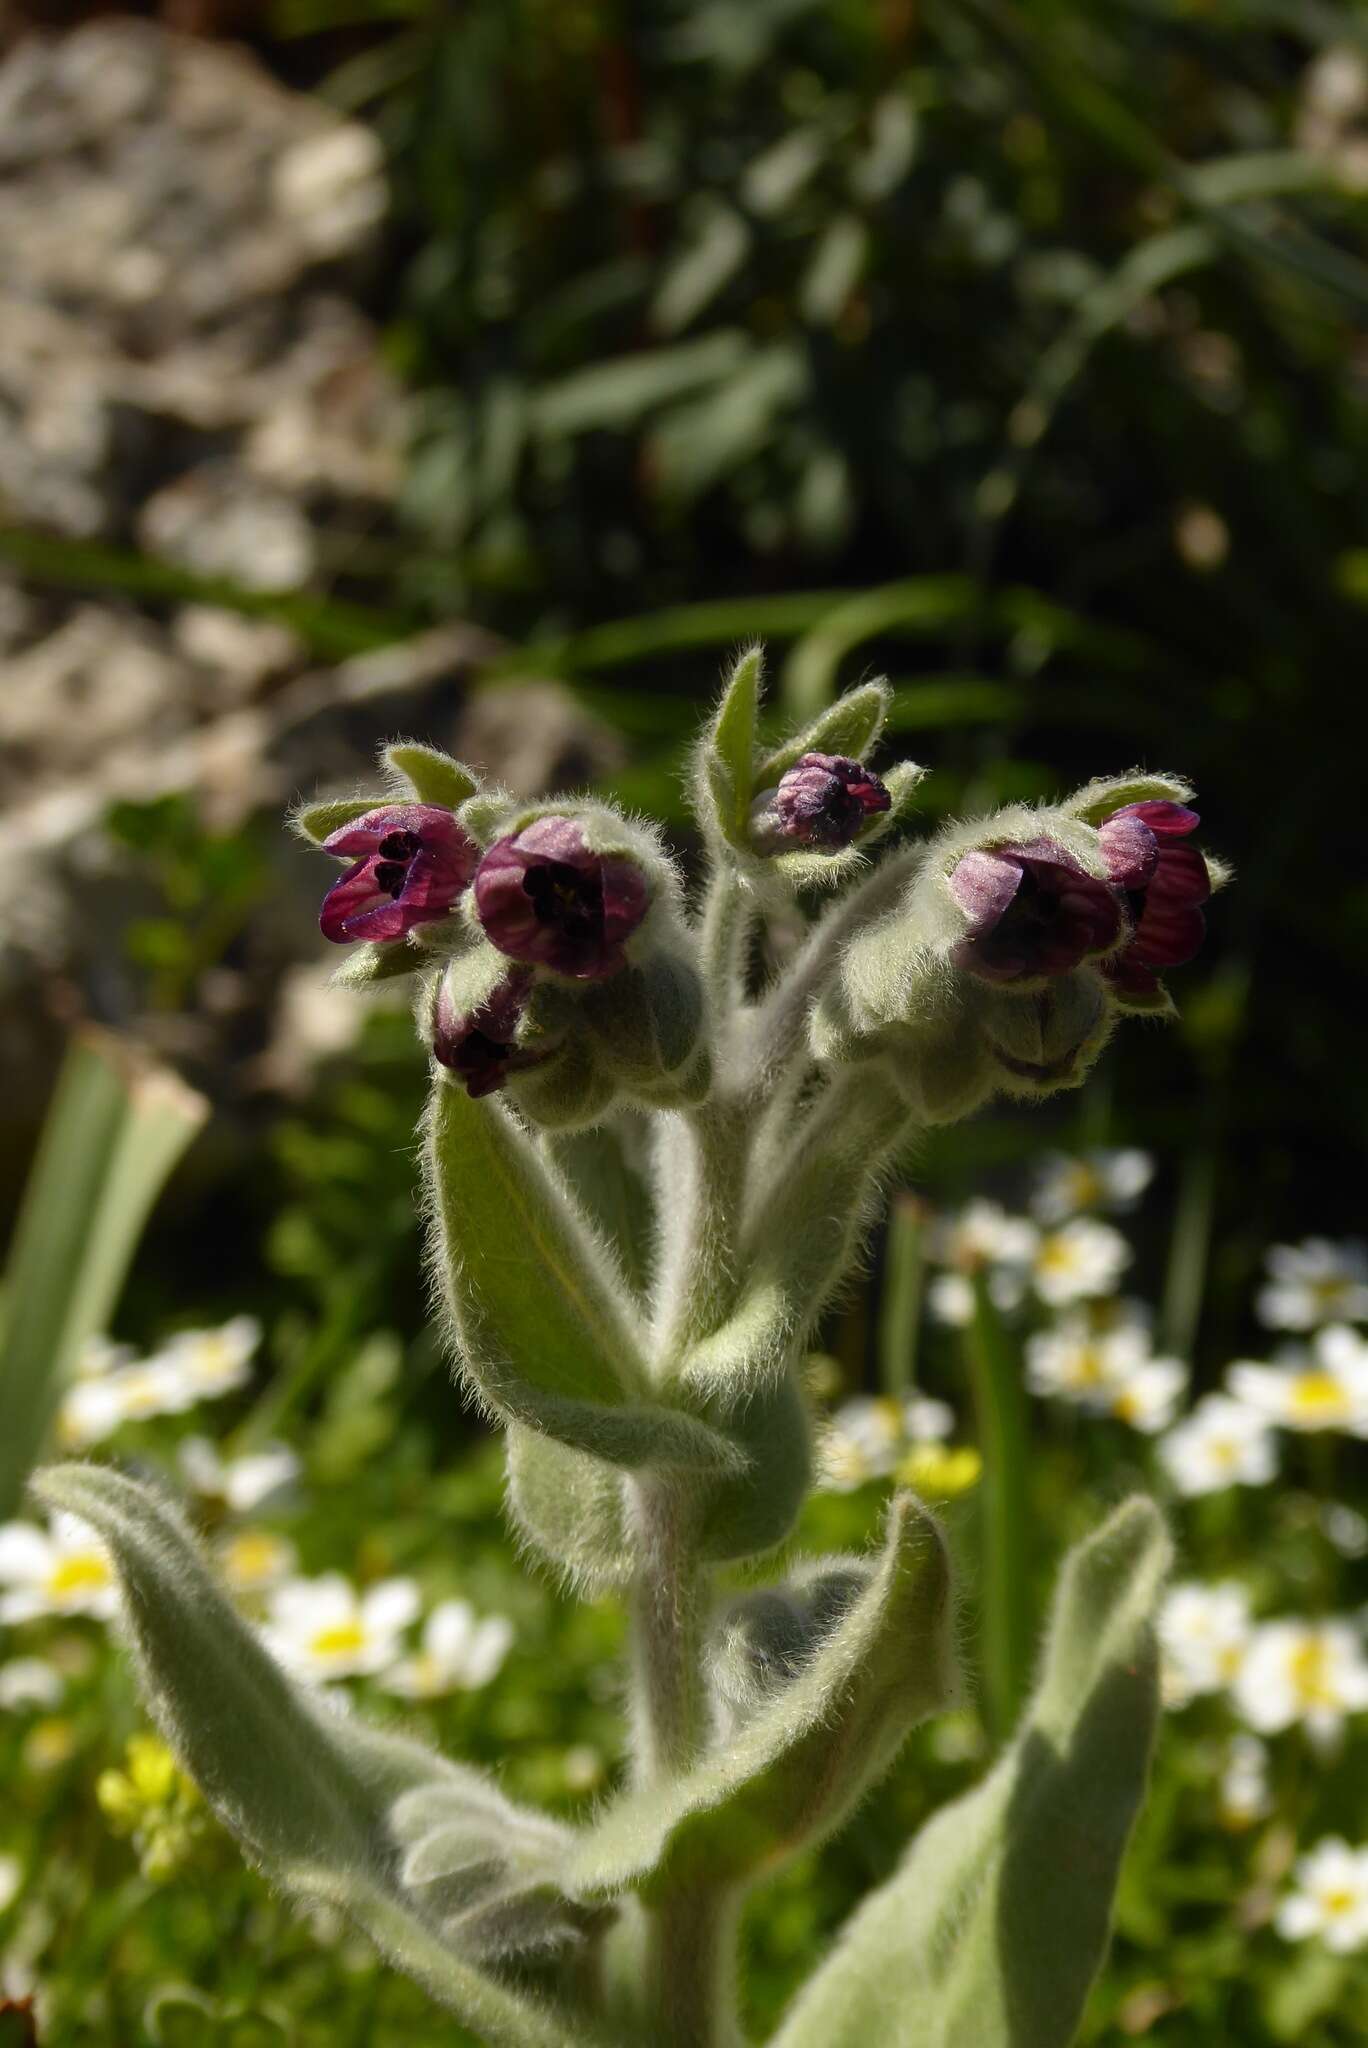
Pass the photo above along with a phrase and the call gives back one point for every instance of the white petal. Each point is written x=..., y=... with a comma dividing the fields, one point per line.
x=25, y=1553
x=390, y=1606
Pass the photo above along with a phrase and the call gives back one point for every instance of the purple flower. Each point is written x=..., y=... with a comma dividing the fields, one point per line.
x=1165, y=882
x=1032, y=911
x=478, y=1045
x=822, y=800
x=544, y=897
x=412, y=862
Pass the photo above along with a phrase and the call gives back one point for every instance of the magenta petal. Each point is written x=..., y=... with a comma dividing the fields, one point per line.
x=353, y=896
x=1167, y=820
x=1129, y=848
x=544, y=897
x=983, y=885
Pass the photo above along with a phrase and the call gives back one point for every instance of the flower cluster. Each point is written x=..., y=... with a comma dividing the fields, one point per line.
x=113, y=1387
x=1276, y=1674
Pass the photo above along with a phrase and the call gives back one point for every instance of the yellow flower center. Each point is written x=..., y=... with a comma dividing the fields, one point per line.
x=342, y=1640
x=1056, y=1255
x=939, y=1472
x=1311, y=1675
x=251, y=1557
x=1338, y=1902
x=1318, y=1393
x=85, y=1571
x=1088, y=1367
x=1084, y=1187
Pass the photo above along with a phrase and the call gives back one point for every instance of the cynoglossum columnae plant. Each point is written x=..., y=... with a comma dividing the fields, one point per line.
x=645, y=1177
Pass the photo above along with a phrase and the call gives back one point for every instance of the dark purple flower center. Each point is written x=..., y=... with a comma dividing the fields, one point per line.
x=567, y=899
x=397, y=851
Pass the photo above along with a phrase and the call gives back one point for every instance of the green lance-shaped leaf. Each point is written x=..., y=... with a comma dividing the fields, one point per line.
x=546, y=1331
x=410, y=768
x=323, y=1803
x=851, y=726
x=725, y=762
x=318, y=821
x=797, y=1765
x=992, y=1929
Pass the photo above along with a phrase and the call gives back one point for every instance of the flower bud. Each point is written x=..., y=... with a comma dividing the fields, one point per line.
x=478, y=1043
x=545, y=897
x=411, y=862
x=821, y=802
x=1165, y=882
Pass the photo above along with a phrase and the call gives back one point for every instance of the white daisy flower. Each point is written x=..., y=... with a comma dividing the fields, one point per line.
x=1221, y=1443
x=11, y=1878
x=459, y=1653
x=950, y=1296
x=1312, y=1672
x=101, y=1355
x=1148, y=1399
x=324, y=1629
x=1244, y=1793
x=1079, y=1259
x=1091, y=1180
x=30, y=1682
x=90, y=1410
x=239, y=1484
x=1108, y=1371
x=1331, y=1898
x=981, y=1234
x=256, y=1560
x=1314, y=1282
x=211, y=1363
x=1325, y=1388
x=60, y=1570
x=868, y=1435
x=1204, y=1632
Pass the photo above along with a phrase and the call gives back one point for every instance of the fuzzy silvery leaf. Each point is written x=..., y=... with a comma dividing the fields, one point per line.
x=991, y=1931
x=851, y=726
x=318, y=821
x=726, y=754
x=1097, y=799
x=427, y=773
x=545, y=1331
x=799, y=1763
x=610, y=1189
x=569, y=1507
x=311, y=1794
x=742, y=1516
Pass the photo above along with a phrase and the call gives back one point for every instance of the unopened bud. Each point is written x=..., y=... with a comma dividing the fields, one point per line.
x=821, y=802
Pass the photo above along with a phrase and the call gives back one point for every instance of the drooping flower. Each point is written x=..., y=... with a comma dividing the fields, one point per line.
x=546, y=898
x=478, y=1045
x=1165, y=882
x=1314, y=1282
x=324, y=1629
x=410, y=863
x=821, y=801
x=1204, y=1632
x=1330, y=1900
x=1323, y=1388
x=62, y=1570
x=1221, y=1443
x=1312, y=1672
x=460, y=1652
x=1032, y=911
x=1069, y=1184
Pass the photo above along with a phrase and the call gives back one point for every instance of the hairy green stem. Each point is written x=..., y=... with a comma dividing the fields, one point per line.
x=701, y=1179
x=1004, y=1516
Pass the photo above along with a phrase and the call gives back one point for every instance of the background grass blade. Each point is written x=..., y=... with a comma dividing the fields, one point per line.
x=115, y=1130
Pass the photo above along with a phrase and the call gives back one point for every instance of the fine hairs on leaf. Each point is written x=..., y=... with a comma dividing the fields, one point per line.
x=651, y=1155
